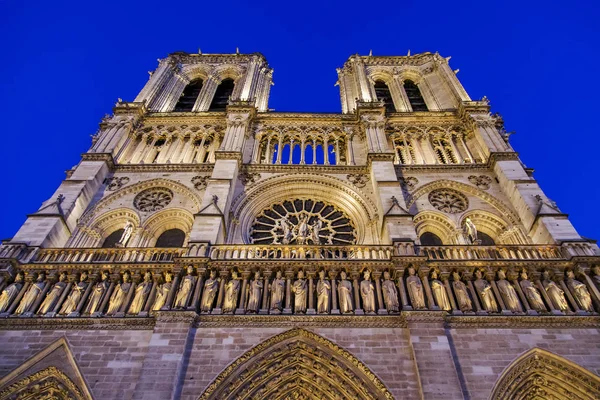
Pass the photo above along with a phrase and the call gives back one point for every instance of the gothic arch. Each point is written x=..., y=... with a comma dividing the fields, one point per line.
x=195, y=71
x=112, y=220
x=288, y=363
x=172, y=218
x=539, y=374
x=488, y=223
x=361, y=210
x=437, y=223
x=231, y=71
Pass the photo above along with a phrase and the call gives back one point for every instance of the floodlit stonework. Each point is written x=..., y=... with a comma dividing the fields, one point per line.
x=208, y=247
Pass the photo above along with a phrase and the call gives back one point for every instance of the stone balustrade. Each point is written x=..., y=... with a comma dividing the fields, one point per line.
x=249, y=252
x=113, y=255
x=528, y=252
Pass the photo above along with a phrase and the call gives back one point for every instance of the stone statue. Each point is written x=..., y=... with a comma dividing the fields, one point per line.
x=31, y=295
x=508, y=293
x=119, y=295
x=323, y=294
x=286, y=226
x=185, y=289
x=162, y=293
x=471, y=230
x=141, y=293
x=483, y=287
x=72, y=301
x=415, y=290
x=127, y=231
x=460, y=291
x=211, y=286
x=95, y=300
x=367, y=293
x=580, y=292
x=53, y=295
x=315, y=229
x=555, y=293
x=346, y=299
x=390, y=294
x=277, y=292
x=439, y=292
x=532, y=293
x=255, y=294
x=232, y=289
x=303, y=230
x=596, y=277
x=299, y=288
x=10, y=292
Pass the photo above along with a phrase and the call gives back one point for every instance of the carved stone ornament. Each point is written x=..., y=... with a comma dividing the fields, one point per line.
x=153, y=199
x=409, y=182
x=305, y=222
x=481, y=181
x=359, y=180
x=115, y=183
x=200, y=182
x=248, y=178
x=49, y=383
x=448, y=200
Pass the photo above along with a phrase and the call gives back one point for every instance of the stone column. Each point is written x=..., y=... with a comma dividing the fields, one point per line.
x=380, y=306
x=569, y=295
x=47, y=285
x=402, y=290
x=150, y=300
x=355, y=283
x=174, y=287
x=424, y=275
x=242, y=303
x=468, y=276
x=490, y=276
x=334, y=307
x=92, y=279
x=218, y=309
x=289, y=274
x=265, y=295
x=311, y=293
x=444, y=276
x=195, y=304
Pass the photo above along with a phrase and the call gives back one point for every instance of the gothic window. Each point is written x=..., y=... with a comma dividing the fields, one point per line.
x=112, y=239
x=302, y=149
x=405, y=153
x=448, y=200
x=332, y=155
x=221, y=98
x=382, y=91
x=486, y=239
x=414, y=96
x=188, y=97
x=443, y=151
x=306, y=222
x=308, y=154
x=153, y=199
x=430, y=239
x=171, y=238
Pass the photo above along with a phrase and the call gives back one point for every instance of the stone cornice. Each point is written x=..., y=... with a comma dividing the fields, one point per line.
x=296, y=168
x=164, y=168
x=106, y=157
x=324, y=321
x=522, y=321
x=77, y=323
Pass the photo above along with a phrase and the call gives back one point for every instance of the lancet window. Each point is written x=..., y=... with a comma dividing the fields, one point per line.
x=189, y=96
x=171, y=238
x=444, y=150
x=414, y=96
x=405, y=152
x=300, y=148
x=222, y=95
x=382, y=91
x=112, y=239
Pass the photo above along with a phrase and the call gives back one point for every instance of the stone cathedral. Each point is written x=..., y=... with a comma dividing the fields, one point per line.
x=209, y=247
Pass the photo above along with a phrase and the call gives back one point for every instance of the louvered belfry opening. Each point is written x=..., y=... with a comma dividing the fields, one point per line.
x=188, y=98
x=414, y=96
x=221, y=99
x=382, y=91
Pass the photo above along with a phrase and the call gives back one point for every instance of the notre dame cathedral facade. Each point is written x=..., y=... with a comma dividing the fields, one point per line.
x=208, y=247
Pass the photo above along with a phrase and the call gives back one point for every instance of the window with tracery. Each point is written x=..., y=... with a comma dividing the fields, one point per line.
x=382, y=91
x=153, y=199
x=415, y=98
x=444, y=150
x=303, y=221
x=302, y=149
x=222, y=95
x=188, y=97
x=405, y=153
x=448, y=200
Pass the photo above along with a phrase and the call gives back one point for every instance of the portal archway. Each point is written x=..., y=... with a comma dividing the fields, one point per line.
x=286, y=365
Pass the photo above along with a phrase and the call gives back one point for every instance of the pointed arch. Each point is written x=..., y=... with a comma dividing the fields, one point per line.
x=290, y=362
x=540, y=374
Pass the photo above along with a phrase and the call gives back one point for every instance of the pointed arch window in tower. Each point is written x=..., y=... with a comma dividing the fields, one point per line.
x=382, y=91
x=222, y=95
x=430, y=239
x=414, y=96
x=188, y=97
x=171, y=238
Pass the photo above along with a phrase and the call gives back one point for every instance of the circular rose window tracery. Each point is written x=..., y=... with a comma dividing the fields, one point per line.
x=153, y=199
x=448, y=200
x=306, y=222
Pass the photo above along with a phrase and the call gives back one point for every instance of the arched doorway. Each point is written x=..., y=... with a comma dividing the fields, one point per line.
x=296, y=364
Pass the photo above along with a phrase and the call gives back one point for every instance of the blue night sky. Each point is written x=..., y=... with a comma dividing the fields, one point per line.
x=64, y=64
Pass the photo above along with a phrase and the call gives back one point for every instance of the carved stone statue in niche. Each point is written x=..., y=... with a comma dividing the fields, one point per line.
x=415, y=290
x=390, y=294
x=185, y=289
x=232, y=289
x=141, y=294
x=323, y=294
x=346, y=299
x=462, y=295
x=299, y=289
x=580, y=292
x=255, y=293
x=534, y=298
x=439, y=292
x=31, y=295
x=162, y=292
x=277, y=293
x=211, y=286
x=53, y=295
x=508, y=293
x=72, y=301
x=10, y=292
x=484, y=289
x=98, y=291
x=126, y=235
x=555, y=293
x=367, y=293
x=119, y=295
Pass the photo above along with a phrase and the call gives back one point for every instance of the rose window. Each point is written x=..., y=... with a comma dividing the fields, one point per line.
x=448, y=200
x=305, y=222
x=153, y=199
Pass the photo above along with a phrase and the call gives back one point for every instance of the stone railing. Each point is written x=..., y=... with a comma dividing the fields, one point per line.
x=526, y=252
x=19, y=251
x=115, y=255
x=249, y=252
